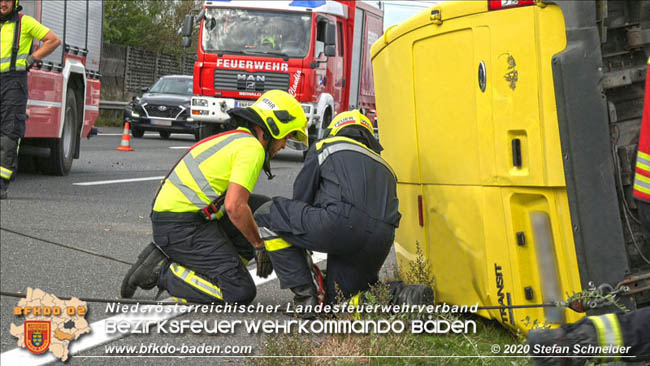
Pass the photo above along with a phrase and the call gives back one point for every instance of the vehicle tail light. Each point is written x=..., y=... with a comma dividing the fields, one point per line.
x=507, y=4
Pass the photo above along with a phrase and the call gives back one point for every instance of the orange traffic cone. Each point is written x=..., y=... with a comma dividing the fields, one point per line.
x=125, y=144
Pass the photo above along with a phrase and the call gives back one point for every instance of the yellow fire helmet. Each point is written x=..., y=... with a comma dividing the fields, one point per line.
x=347, y=119
x=283, y=115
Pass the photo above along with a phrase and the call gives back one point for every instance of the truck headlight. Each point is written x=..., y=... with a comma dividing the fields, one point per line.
x=200, y=102
x=306, y=108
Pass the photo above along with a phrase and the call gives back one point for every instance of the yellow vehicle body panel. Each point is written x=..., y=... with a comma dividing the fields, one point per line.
x=451, y=141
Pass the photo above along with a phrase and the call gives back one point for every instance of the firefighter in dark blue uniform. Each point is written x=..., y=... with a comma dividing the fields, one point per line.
x=606, y=337
x=344, y=204
x=16, y=35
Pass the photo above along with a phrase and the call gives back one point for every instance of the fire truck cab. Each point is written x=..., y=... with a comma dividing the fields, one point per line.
x=318, y=51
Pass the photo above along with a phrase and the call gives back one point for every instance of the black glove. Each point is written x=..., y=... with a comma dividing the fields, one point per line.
x=264, y=265
x=30, y=61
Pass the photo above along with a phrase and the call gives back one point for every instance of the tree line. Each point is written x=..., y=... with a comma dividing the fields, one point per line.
x=148, y=24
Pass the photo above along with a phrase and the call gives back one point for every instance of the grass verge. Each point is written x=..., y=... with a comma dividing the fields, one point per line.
x=405, y=348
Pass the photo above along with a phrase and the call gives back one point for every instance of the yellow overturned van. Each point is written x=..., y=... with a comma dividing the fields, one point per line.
x=512, y=127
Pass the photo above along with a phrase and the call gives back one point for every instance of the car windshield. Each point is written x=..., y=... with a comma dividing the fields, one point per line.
x=172, y=86
x=256, y=32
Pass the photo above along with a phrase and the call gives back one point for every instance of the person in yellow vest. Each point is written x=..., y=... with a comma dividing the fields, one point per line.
x=16, y=34
x=202, y=216
x=344, y=204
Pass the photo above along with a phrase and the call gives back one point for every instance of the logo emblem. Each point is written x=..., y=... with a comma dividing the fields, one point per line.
x=250, y=81
x=162, y=108
x=37, y=335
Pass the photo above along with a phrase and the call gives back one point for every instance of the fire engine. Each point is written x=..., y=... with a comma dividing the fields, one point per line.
x=318, y=51
x=64, y=87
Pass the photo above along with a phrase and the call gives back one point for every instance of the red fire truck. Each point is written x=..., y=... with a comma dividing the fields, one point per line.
x=64, y=88
x=319, y=51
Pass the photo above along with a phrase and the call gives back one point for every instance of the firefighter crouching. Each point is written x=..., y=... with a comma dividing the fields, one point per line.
x=344, y=204
x=204, y=261
x=16, y=34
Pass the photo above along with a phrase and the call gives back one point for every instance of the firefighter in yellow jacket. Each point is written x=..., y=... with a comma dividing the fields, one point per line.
x=201, y=248
x=16, y=34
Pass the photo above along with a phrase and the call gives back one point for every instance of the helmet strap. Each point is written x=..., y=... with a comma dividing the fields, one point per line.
x=267, y=151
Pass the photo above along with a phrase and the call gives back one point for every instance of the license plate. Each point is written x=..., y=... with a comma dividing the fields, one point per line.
x=244, y=103
x=161, y=122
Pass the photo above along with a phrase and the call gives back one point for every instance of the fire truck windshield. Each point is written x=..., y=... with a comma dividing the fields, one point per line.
x=256, y=32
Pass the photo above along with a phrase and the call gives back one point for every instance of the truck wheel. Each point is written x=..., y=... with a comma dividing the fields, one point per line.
x=207, y=130
x=62, y=149
x=137, y=133
x=164, y=134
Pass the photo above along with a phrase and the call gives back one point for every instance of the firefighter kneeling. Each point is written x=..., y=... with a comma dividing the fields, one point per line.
x=344, y=204
x=200, y=255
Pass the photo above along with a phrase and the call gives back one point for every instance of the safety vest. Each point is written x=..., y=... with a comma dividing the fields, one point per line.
x=203, y=174
x=331, y=145
x=608, y=331
x=642, y=171
x=16, y=45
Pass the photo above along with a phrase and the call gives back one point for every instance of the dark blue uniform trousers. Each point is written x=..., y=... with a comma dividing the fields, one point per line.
x=357, y=245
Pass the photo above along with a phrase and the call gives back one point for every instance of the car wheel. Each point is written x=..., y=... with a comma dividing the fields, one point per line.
x=62, y=149
x=137, y=132
x=164, y=135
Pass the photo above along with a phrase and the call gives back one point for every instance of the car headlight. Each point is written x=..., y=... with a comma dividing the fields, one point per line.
x=135, y=114
x=200, y=102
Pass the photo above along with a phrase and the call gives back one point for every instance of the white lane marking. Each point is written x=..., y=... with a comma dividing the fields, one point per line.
x=119, y=134
x=97, y=336
x=99, y=182
x=179, y=147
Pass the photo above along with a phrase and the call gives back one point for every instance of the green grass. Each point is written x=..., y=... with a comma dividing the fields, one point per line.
x=108, y=118
x=391, y=348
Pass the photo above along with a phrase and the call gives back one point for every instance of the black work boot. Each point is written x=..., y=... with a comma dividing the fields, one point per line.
x=547, y=346
x=404, y=294
x=304, y=300
x=144, y=273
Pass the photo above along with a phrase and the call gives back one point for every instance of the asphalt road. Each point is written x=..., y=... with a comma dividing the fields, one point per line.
x=110, y=219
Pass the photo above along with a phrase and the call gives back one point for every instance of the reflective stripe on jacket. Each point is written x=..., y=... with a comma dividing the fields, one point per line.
x=205, y=171
x=29, y=29
x=642, y=169
x=342, y=170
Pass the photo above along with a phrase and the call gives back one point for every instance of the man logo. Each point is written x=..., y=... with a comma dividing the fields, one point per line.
x=37, y=335
x=250, y=82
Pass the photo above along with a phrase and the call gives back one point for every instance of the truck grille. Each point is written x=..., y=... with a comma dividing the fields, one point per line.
x=153, y=110
x=238, y=80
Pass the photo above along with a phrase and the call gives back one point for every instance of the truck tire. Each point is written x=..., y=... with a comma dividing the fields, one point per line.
x=137, y=133
x=207, y=130
x=327, y=119
x=164, y=134
x=62, y=149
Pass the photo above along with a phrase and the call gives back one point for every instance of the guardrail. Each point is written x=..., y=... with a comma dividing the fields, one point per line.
x=112, y=105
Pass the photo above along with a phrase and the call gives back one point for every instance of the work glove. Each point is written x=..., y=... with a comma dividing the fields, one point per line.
x=30, y=61
x=264, y=265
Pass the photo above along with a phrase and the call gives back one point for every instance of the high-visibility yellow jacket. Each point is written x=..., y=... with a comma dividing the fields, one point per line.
x=208, y=168
x=29, y=29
